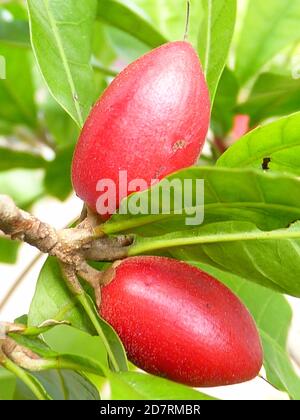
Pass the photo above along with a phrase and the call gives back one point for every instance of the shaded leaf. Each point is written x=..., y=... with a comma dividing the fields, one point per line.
x=61, y=385
x=216, y=31
x=278, y=141
x=16, y=93
x=60, y=125
x=225, y=103
x=65, y=339
x=15, y=32
x=57, y=359
x=7, y=385
x=138, y=386
x=239, y=248
x=11, y=159
x=23, y=186
x=58, y=174
x=61, y=39
x=8, y=251
x=53, y=300
x=269, y=27
x=119, y=15
x=270, y=200
x=279, y=368
x=272, y=95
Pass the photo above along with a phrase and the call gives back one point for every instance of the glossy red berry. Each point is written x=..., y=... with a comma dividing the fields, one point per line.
x=180, y=323
x=151, y=121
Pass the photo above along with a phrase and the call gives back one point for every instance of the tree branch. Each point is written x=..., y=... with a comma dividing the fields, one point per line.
x=73, y=247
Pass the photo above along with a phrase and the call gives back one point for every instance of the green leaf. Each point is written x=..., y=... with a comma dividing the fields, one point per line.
x=272, y=95
x=278, y=141
x=23, y=186
x=225, y=103
x=28, y=381
x=7, y=384
x=58, y=174
x=269, y=27
x=60, y=125
x=58, y=360
x=239, y=248
x=270, y=200
x=61, y=38
x=61, y=385
x=53, y=300
x=279, y=368
x=215, y=38
x=65, y=339
x=119, y=15
x=14, y=33
x=138, y=386
x=17, y=93
x=11, y=159
x=8, y=251
x=273, y=317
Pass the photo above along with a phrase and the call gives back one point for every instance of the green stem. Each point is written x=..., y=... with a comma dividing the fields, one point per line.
x=146, y=245
x=77, y=291
x=94, y=319
x=28, y=380
x=113, y=227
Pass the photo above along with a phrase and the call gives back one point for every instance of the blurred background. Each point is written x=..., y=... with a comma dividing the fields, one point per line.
x=37, y=136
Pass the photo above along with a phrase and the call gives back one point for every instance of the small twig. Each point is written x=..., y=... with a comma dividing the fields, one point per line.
x=93, y=277
x=71, y=246
x=187, y=22
x=109, y=249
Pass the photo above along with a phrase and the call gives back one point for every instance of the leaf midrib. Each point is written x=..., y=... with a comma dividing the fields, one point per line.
x=114, y=227
x=169, y=241
x=64, y=60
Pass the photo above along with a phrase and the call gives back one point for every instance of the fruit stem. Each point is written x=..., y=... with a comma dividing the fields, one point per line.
x=76, y=289
x=85, y=304
x=187, y=22
x=25, y=377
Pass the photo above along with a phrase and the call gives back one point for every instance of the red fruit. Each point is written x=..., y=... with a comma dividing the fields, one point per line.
x=241, y=126
x=178, y=322
x=151, y=121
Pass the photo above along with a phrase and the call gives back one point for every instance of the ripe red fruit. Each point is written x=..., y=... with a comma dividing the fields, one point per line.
x=241, y=126
x=151, y=121
x=180, y=323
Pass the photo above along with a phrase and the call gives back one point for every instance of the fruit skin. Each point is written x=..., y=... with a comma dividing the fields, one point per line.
x=180, y=323
x=241, y=126
x=151, y=121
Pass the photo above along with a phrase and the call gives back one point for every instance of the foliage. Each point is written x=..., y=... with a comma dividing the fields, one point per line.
x=60, y=56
